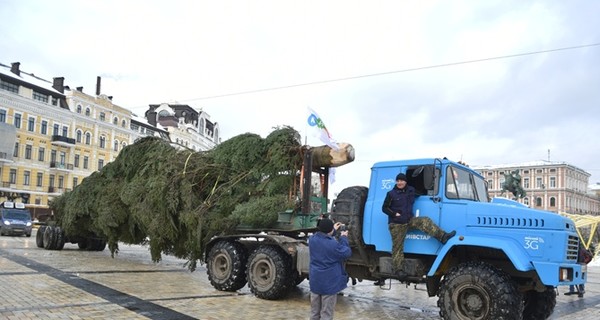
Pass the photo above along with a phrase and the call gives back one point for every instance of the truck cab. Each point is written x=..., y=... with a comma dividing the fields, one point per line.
x=501, y=249
x=15, y=219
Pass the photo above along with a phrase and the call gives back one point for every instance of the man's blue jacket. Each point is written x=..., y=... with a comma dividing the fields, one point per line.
x=326, y=273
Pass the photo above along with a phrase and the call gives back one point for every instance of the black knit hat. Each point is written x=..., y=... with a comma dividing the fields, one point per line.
x=401, y=176
x=325, y=225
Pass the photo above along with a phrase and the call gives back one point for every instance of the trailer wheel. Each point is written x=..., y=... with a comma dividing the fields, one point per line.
x=39, y=236
x=82, y=243
x=49, y=238
x=269, y=273
x=539, y=305
x=476, y=290
x=226, y=266
x=59, y=233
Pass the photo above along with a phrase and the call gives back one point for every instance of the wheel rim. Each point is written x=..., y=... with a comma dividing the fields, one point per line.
x=221, y=267
x=472, y=301
x=263, y=272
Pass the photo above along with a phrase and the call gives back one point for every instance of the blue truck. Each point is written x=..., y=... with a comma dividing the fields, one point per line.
x=505, y=261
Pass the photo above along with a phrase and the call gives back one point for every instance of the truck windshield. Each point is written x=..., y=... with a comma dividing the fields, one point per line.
x=16, y=214
x=462, y=184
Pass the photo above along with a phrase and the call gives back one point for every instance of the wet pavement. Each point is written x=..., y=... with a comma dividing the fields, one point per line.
x=74, y=284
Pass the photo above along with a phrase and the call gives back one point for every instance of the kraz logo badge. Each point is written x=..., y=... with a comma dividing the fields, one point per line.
x=533, y=243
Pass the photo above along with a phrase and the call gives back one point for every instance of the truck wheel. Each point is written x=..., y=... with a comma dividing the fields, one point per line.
x=39, y=236
x=539, y=305
x=476, y=290
x=269, y=273
x=226, y=266
x=49, y=238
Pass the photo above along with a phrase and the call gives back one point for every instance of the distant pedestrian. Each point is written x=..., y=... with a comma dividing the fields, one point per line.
x=327, y=276
x=584, y=257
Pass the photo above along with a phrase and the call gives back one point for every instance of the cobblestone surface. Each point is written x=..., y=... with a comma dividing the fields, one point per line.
x=74, y=284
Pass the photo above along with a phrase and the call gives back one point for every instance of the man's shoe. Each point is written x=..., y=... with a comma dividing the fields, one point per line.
x=580, y=295
x=379, y=282
x=447, y=236
x=569, y=293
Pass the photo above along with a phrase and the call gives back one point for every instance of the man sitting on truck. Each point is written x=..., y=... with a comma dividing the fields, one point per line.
x=398, y=205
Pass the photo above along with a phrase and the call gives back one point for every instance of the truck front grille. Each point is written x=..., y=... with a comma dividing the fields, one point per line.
x=511, y=222
x=573, y=248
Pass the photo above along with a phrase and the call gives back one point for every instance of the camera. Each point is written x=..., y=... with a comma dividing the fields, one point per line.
x=343, y=228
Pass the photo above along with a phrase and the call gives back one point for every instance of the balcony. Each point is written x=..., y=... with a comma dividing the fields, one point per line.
x=61, y=166
x=58, y=140
x=5, y=157
x=58, y=190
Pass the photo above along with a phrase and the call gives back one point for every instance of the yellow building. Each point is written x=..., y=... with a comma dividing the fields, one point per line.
x=52, y=137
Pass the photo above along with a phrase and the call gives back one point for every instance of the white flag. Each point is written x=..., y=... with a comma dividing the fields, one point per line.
x=319, y=130
x=317, y=126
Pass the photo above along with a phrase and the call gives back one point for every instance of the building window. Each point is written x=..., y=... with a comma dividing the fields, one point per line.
x=538, y=183
x=53, y=156
x=40, y=97
x=55, y=129
x=87, y=112
x=116, y=146
x=115, y=121
x=54, y=101
x=31, y=124
x=9, y=86
x=553, y=202
x=16, y=152
x=63, y=158
x=102, y=142
x=76, y=164
x=552, y=182
x=526, y=201
x=88, y=138
x=12, y=176
x=65, y=132
x=86, y=161
x=26, y=178
x=28, y=149
x=51, y=181
x=40, y=179
x=41, y=154
x=102, y=116
x=100, y=164
x=18, y=120
x=78, y=136
x=124, y=124
x=44, y=128
x=78, y=108
x=526, y=183
x=2, y=116
x=61, y=182
x=75, y=182
x=538, y=201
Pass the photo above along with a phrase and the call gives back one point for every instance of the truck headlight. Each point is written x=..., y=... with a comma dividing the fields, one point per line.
x=7, y=222
x=29, y=224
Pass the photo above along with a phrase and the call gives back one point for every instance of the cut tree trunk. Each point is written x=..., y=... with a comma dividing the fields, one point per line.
x=325, y=156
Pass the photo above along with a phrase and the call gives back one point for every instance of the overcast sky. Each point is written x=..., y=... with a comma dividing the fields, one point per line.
x=401, y=90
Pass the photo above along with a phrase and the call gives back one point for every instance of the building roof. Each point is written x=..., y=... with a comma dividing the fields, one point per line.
x=29, y=78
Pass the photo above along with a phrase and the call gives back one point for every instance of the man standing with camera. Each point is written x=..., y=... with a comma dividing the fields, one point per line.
x=327, y=275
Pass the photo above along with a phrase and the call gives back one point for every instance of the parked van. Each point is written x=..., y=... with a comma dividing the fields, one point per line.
x=15, y=219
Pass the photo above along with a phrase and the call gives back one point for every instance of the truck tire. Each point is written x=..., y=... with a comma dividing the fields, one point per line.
x=226, y=266
x=82, y=243
x=39, y=236
x=477, y=290
x=94, y=244
x=269, y=273
x=49, y=238
x=348, y=209
x=539, y=305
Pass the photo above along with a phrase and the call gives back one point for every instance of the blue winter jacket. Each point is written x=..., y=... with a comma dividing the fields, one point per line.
x=326, y=273
x=399, y=200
